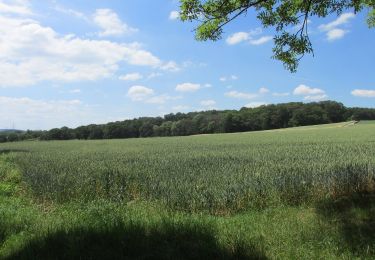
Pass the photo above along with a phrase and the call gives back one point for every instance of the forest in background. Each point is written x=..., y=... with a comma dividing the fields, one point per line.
x=206, y=122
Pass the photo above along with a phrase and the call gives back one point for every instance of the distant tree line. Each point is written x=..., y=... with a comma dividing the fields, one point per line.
x=207, y=122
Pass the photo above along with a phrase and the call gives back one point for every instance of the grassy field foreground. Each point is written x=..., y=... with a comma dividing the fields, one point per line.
x=300, y=193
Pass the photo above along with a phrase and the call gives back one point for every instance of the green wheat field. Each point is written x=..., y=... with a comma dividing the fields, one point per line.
x=297, y=193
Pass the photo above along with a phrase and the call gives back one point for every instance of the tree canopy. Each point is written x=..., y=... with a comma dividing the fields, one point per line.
x=289, y=45
x=206, y=122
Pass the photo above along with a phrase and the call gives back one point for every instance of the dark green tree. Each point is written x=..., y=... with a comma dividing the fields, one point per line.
x=13, y=137
x=96, y=132
x=165, y=129
x=82, y=132
x=3, y=139
x=204, y=122
x=146, y=130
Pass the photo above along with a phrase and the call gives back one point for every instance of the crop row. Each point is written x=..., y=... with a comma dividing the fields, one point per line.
x=217, y=173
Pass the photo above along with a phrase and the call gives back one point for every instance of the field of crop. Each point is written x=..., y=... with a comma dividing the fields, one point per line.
x=300, y=192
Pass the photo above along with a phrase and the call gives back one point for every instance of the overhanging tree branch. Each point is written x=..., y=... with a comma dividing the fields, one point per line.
x=283, y=15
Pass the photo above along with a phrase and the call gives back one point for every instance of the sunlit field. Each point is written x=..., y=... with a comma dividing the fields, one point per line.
x=291, y=193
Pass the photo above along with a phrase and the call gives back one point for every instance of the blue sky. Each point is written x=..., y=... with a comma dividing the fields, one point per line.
x=68, y=63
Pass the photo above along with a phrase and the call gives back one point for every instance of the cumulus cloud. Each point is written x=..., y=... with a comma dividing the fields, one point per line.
x=316, y=97
x=363, y=93
x=255, y=104
x=188, y=87
x=237, y=38
x=304, y=90
x=174, y=15
x=332, y=30
x=335, y=34
x=278, y=94
x=35, y=105
x=75, y=91
x=71, y=12
x=227, y=78
x=31, y=52
x=27, y=113
x=131, y=77
x=161, y=99
x=180, y=108
x=154, y=75
x=240, y=95
x=208, y=103
x=261, y=40
x=263, y=90
x=248, y=37
x=147, y=95
x=310, y=94
x=342, y=19
x=170, y=66
x=110, y=23
x=18, y=7
x=139, y=93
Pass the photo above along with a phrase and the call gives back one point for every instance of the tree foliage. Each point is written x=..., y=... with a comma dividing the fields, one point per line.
x=207, y=122
x=283, y=15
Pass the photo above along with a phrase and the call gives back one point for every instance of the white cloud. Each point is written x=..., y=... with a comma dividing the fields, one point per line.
x=28, y=113
x=208, y=103
x=131, y=77
x=255, y=104
x=146, y=95
x=110, y=23
x=363, y=93
x=263, y=91
x=207, y=85
x=240, y=95
x=174, y=15
x=161, y=99
x=193, y=64
x=19, y=7
x=304, y=90
x=188, y=87
x=335, y=34
x=277, y=94
x=71, y=12
x=316, y=97
x=342, y=19
x=261, y=40
x=237, y=38
x=154, y=75
x=180, y=108
x=30, y=53
x=310, y=94
x=226, y=78
x=170, y=66
x=75, y=91
x=139, y=93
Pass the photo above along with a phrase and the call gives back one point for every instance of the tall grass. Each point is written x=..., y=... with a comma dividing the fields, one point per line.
x=219, y=174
